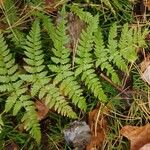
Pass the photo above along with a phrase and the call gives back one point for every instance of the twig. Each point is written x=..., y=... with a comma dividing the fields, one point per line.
x=107, y=79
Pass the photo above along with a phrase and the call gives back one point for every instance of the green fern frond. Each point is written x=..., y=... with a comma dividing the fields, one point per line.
x=10, y=11
x=40, y=83
x=46, y=23
x=18, y=39
x=65, y=77
x=114, y=54
x=30, y=118
x=126, y=44
x=84, y=60
x=9, y=74
x=130, y=40
x=83, y=15
x=139, y=36
x=10, y=82
x=102, y=59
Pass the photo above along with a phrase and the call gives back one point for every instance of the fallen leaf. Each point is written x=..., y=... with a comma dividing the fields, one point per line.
x=146, y=75
x=75, y=26
x=147, y=3
x=1, y=2
x=145, y=69
x=145, y=63
x=42, y=110
x=138, y=136
x=11, y=145
x=98, y=126
x=145, y=147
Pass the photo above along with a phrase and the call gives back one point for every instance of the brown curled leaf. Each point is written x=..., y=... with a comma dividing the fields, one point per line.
x=138, y=136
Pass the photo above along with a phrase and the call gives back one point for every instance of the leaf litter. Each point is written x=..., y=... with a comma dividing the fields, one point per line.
x=139, y=136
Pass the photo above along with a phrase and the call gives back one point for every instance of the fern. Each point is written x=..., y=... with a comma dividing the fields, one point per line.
x=102, y=59
x=47, y=23
x=114, y=54
x=10, y=82
x=85, y=16
x=11, y=17
x=84, y=60
x=10, y=11
x=65, y=77
x=40, y=82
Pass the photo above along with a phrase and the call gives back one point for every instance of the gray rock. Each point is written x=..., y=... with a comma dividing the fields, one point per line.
x=78, y=135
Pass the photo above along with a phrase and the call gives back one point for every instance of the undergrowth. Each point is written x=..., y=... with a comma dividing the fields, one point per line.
x=45, y=71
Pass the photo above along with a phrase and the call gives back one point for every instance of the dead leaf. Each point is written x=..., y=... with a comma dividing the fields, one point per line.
x=98, y=126
x=1, y=3
x=145, y=147
x=42, y=110
x=147, y=3
x=11, y=145
x=146, y=75
x=75, y=26
x=138, y=136
x=145, y=69
x=145, y=63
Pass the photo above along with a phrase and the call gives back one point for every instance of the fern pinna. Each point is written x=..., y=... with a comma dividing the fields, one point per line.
x=17, y=93
x=62, y=67
x=40, y=82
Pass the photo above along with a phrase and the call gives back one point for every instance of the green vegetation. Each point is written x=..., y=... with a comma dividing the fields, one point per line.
x=36, y=63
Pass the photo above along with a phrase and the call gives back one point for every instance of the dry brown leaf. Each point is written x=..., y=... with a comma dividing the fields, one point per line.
x=145, y=69
x=11, y=145
x=147, y=3
x=1, y=2
x=145, y=147
x=75, y=26
x=42, y=110
x=145, y=63
x=138, y=136
x=98, y=129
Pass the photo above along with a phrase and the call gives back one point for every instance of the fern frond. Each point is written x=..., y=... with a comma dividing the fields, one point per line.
x=114, y=54
x=139, y=36
x=30, y=118
x=18, y=39
x=130, y=40
x=10, y=82
x=102, y=59
x=65, y=77
x=8, y=69
x=10, y=11
x=126, y=44
x=84, y=60
x=83, y=15
x=47, y=23
x=40, y=83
